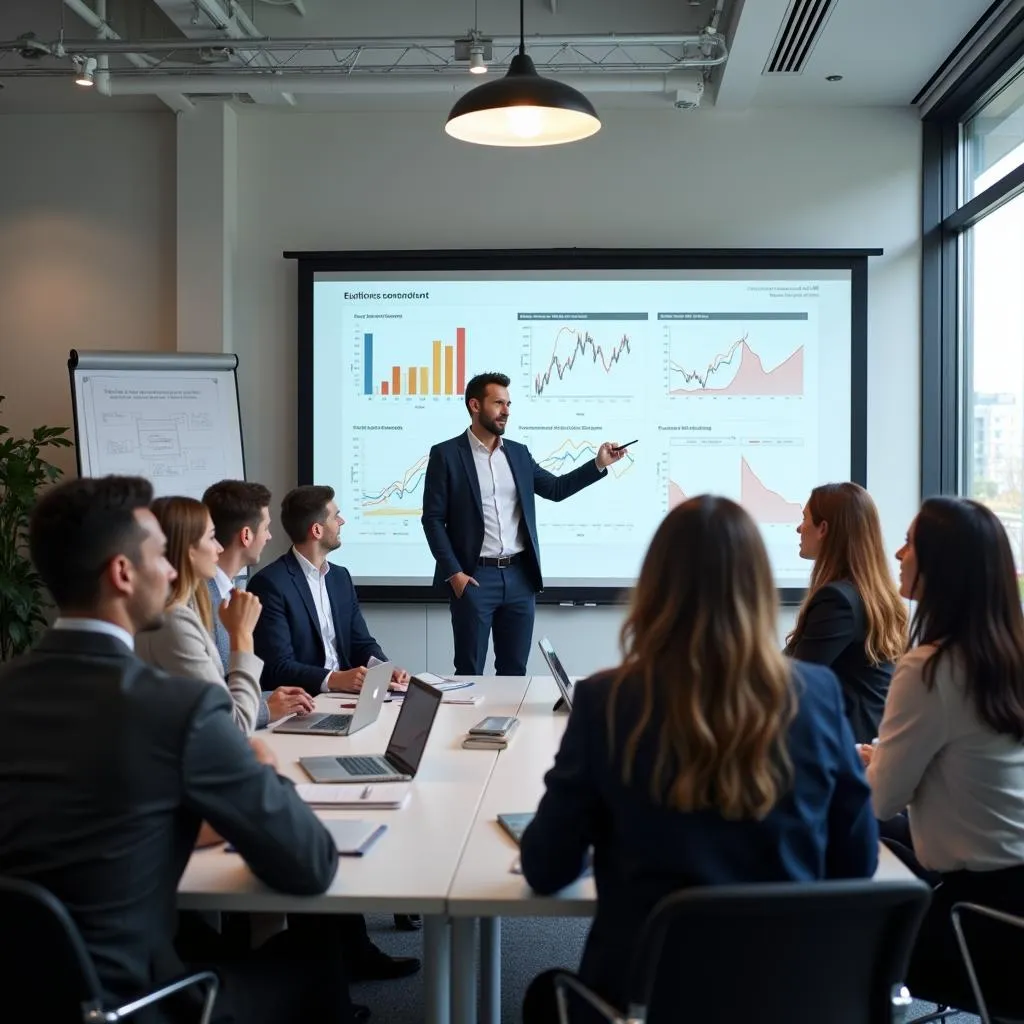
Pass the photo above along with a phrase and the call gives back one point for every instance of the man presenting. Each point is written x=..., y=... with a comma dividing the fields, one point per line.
x=480, y=521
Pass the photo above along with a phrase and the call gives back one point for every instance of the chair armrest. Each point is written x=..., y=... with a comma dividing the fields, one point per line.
x=206, y=979
x=995, y=915
x=565, y=980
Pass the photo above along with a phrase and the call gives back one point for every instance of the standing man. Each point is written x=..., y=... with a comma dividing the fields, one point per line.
x=240, y=510
x=481, y=524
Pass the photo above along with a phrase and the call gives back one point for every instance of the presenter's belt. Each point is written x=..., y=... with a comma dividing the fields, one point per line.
x=500, y=563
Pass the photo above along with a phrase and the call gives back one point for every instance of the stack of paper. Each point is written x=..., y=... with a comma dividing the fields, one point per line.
x=342, y=795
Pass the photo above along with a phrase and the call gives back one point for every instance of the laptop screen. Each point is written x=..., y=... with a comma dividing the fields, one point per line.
x=561, y=676
x=412, y=728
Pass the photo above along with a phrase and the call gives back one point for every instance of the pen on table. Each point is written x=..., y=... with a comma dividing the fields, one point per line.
x=366, y=792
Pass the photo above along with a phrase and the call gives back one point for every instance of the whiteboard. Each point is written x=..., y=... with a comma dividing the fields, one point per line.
x=173, y=419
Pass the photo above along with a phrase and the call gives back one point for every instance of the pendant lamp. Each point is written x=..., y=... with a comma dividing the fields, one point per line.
x=522, y=109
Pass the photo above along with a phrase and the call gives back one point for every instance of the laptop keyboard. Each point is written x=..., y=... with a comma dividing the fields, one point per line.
x=356, y=765
x=334, y=722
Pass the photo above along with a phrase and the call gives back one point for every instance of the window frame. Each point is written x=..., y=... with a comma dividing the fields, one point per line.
x=945, y=220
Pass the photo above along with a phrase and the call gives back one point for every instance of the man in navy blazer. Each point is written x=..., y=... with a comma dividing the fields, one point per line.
x=480, y=520
x=311, y=632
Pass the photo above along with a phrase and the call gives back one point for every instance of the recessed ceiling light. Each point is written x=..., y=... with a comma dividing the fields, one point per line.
x=833, y=78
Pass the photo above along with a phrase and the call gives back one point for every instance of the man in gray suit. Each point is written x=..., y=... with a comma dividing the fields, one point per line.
x=240, y=510
x=108, y=767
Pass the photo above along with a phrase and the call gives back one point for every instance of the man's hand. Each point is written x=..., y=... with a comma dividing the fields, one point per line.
x=460, y=581
x=263, y=753
x=288, y=700
x=399, y=680
x=347, y=682
x=608, y=453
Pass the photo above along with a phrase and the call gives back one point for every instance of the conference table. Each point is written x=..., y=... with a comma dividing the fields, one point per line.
x=443, y=855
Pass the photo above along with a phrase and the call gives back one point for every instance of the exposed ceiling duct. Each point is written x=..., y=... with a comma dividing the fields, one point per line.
x=800, y=31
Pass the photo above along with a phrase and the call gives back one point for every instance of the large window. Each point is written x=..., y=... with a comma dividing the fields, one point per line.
x=973, y=288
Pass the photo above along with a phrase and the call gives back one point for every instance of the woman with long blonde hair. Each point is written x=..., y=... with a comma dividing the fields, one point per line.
x=184, y=644
x=706, y=757
x=852, y=618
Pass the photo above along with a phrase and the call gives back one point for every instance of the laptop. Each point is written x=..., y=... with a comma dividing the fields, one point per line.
x=401, y=761
x=562, y=680
x=371, y=697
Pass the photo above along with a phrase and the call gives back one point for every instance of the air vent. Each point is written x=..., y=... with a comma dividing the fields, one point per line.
x=801, y=29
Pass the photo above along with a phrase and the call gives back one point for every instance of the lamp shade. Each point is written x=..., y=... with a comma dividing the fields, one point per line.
x=522, y=109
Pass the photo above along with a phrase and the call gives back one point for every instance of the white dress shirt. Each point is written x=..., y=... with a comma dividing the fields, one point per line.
x=96, y=626
x=499, y=500
x=224, y=584
x=317, y=581
x=961, y=782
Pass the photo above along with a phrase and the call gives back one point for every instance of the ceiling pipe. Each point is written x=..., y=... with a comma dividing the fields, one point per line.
x=114, y=44
x=172, y=98
x=327, y=85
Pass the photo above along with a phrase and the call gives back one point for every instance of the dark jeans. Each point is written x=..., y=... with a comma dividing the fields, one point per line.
x=936, y=971
x=296, y=976
x=503, y=602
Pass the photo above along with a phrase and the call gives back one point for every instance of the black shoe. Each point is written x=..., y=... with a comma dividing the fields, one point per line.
x=408, y=922
x=373, y=964
x=360, y=1013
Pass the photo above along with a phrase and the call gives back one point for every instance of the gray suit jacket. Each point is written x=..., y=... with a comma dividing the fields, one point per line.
x=107, y=768
x=183, y=647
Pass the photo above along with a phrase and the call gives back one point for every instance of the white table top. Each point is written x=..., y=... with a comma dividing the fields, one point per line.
x=484, y=885
x=411, y=866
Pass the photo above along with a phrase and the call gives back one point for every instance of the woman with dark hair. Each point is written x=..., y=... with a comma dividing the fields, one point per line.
x=706, y=757
x=951, y=742
x=852, y=618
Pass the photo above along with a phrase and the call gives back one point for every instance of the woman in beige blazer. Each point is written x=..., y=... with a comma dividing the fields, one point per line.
x=183, y=645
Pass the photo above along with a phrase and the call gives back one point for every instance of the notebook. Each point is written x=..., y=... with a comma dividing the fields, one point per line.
x=515, y=824
x=351, y=795
x=354, y=838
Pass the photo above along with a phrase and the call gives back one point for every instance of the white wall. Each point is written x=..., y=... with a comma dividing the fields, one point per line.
x=762, y=179
x=87, y=243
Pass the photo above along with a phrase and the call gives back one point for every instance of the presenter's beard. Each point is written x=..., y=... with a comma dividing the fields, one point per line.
x=494, y=426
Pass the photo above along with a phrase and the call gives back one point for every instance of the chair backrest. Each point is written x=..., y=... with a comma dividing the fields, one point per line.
x=794, y=952
x=45, y=960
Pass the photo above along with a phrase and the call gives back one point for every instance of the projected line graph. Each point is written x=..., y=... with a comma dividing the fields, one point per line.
x=570, y=454
x=737, y=354
x=576, y=363
x=402, y=496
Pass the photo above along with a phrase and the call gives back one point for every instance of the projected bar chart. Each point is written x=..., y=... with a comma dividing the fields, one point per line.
x=444, y=374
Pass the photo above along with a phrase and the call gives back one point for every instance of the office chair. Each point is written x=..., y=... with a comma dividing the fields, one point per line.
x=795, y=952
x=1015, y=1013
x=46, y=960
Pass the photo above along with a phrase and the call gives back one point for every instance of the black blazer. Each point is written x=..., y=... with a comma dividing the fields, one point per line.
x=453, y=520
x=107, y=768
x=822, y=828
x=287, y=636
x=834, y=633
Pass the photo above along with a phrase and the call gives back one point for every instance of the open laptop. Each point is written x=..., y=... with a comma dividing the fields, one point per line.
x=401, y=760
x=371, y=697
x=562, y=680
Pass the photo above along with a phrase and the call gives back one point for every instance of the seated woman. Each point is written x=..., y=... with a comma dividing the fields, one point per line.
x=183, y=645
x=852, y=618
x=951, y=742
x=705, y=758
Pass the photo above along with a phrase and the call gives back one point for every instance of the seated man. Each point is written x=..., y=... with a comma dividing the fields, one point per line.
x=240, y=510
x=312, y=633
x=108, y=767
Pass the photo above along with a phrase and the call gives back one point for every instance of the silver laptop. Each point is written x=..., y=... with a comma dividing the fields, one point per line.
x=371, y=697
x=562, y=680
x=401, y=760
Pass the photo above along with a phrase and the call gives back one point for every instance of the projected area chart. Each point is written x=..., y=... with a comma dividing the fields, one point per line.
x=737, y=354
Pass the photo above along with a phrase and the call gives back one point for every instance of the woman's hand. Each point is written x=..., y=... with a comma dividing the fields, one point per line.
x=239, y=614
x=288, y=700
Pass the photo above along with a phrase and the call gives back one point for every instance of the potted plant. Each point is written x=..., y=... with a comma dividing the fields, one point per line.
x=22, y=472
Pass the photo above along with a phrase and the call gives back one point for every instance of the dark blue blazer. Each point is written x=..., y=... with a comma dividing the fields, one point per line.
x=822, y=828
x=452, y=516
x=287, y=636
